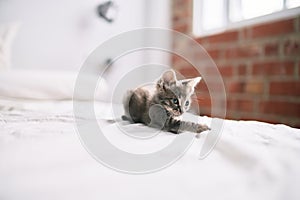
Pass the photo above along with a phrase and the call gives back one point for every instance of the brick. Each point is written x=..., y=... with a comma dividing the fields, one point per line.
x=254, y=87
x=175, y=19
x=287, y=109
x=298, y=23
x=298, y=68
x=211, y=87
x=271, y=49
x=214, y=54
x=235, y=87
x=293, y=122
x=250, y=87
x=232, y=115
x=292, y=47
x=240, y=105
x=226, y=71
x=296, y=126
x=246, y=51
x=244, y=33
x=214, y=86
x=177, y=59
x=273, y=29
x=242, y=69
x=201, y=88
x=183, y=28
x=200, y=40
x=211, y=71
x=273, y=68
x=178, y=63
x=179, y=17
x=189, y=72
x=291, y=88
x=204, y=101
x=181, y=3
x=230, y=36
x=205, y=112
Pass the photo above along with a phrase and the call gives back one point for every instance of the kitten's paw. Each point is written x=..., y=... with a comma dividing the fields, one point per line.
x=202, y=127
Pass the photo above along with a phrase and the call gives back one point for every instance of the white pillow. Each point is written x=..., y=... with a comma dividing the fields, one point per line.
x=7, y=33
x=44, y=85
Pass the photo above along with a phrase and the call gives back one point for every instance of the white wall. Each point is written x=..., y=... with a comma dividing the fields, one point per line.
x=156, y=14
x=61, y=33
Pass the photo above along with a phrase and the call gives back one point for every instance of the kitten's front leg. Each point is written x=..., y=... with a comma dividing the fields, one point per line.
x=177, y=126
x=158, y=117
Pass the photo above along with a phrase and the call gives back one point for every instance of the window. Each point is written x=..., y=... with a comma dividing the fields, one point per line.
x=211, y=16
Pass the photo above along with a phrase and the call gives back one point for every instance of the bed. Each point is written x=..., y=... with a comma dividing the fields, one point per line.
x=42, y=156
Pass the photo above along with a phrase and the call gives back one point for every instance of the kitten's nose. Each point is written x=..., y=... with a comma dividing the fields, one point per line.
x=179, y=110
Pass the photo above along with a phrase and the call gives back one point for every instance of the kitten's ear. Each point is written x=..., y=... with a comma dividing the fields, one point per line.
x=192, y=82
x=168, y=78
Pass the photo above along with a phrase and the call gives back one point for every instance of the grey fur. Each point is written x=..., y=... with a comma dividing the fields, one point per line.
x=163, y=108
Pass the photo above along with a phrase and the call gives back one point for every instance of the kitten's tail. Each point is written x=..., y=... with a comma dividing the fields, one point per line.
x=126, y=101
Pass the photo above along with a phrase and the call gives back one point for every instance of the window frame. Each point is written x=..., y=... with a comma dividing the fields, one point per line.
x=197, y=20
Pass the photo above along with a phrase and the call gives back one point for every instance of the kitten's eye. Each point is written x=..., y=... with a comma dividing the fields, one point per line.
x=187, y=103
x=175, y=101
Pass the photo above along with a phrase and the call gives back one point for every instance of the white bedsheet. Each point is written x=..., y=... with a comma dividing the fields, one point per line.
x=41, y=157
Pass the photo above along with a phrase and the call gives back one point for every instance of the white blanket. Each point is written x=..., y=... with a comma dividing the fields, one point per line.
x=41, y=157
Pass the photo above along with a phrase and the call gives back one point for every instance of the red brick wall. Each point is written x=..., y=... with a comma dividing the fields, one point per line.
x=259, y=65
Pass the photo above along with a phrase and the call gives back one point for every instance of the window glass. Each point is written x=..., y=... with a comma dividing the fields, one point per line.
x=292, y=3
x=215, y=19
x=215, y=15
x=247, y=9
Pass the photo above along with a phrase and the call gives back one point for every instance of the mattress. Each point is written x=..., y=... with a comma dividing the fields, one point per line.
x=42, y=157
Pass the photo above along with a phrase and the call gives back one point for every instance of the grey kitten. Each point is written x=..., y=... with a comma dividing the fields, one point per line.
x=162, y=107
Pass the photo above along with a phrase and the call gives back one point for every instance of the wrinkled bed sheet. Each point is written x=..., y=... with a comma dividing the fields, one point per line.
x=41, y=157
